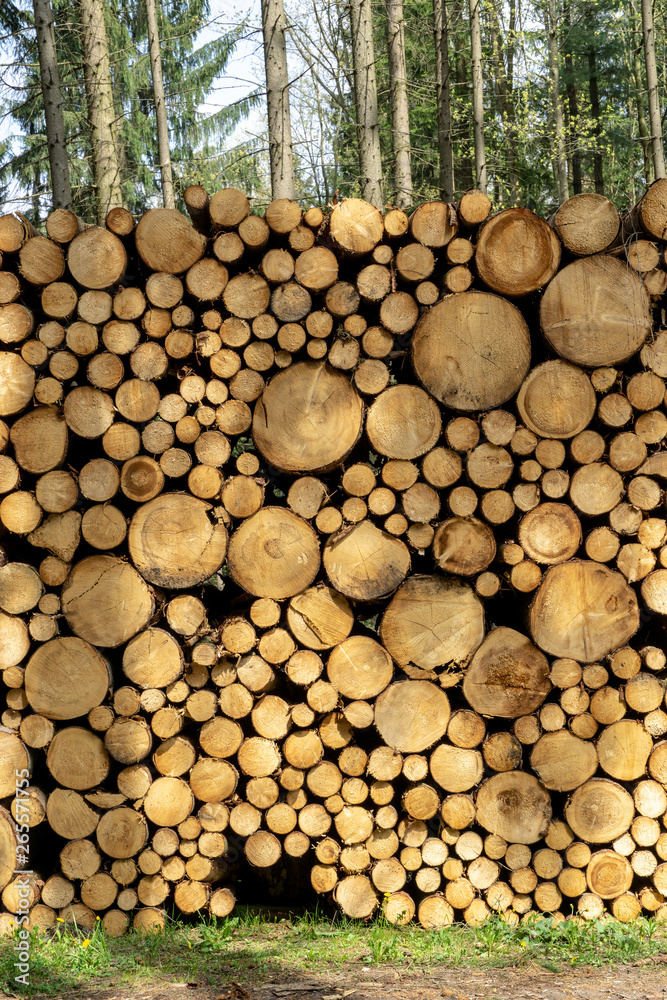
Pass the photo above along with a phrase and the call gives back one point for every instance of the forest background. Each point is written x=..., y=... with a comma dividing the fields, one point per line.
x=397, y=101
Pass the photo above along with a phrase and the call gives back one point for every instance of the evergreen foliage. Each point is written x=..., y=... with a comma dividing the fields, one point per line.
x=190, y=71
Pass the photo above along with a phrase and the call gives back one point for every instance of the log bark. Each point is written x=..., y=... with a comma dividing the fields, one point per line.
x=277, y=92
x=477, y=96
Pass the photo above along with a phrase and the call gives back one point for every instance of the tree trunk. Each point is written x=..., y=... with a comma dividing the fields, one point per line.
x=365, y=93
x=559, y=157
x=443, y=99
x=477, y=96
x=504, y=82
x=595, y=112
x=53, y=104
x=399, y=103
x=277, y=98
x=572, y=100
x=652, y=85
x=101, y=112
x=515, y=191
x=640, y=90
x=160, y=105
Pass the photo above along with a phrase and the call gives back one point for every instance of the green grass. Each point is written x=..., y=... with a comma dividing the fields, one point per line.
x=253, y=945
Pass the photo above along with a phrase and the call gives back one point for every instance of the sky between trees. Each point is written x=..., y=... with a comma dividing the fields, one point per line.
x=397, y=101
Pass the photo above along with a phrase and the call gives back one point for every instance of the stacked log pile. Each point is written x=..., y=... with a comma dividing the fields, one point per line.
x=339, y=540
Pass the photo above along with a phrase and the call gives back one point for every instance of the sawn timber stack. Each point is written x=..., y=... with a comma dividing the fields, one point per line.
x=334, y=556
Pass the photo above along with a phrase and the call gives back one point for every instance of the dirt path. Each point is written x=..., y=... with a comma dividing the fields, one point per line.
x=634, y=982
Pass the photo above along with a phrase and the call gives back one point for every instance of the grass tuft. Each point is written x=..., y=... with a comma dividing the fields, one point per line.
x=255, y=944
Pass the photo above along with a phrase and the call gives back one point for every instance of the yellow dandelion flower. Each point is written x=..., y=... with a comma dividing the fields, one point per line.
x=189, y=944
x=524, y=944
x=85, y=943
x=97, y=918
x=60, y=920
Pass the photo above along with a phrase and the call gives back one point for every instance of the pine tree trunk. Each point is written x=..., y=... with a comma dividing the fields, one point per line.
x=461, y=40
x=572, y=101
x=365, y=93
x=277, y=97
x=595, y=111
x=443, y=99
x=400, y=116
x=559, y=157
x=477, y=96
x=160, y=106
x=101, y=112
x=512, y=156
x=652, y=85
x=53, y=104
x=639, y=98
x=504, y=82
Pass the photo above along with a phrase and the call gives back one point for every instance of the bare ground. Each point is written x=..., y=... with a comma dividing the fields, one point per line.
x=646, y=980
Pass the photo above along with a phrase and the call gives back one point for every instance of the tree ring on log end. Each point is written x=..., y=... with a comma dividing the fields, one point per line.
x=600, y=811
x=8, y=844
x=122, y=832
x=274, y=553
x=508, y=676
x=105, y=601
x=166, y=241
x=464, y=545
x=360, y=668
x=583, y=611
x=596, y=312
x=517, y=252
x=411, y=716
x=515, y=806
x=433, y=621
x=550, y=533
x=96, y=258
x=365, y=563
x=472, y=351
x=556, y=400
x=320, y=617
x=308, y=418
x=65, y=678
x=356, y=896
x=403, y=422
x=563, y=761
x=173, y=541
x=624, y=748
x=609, y=874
